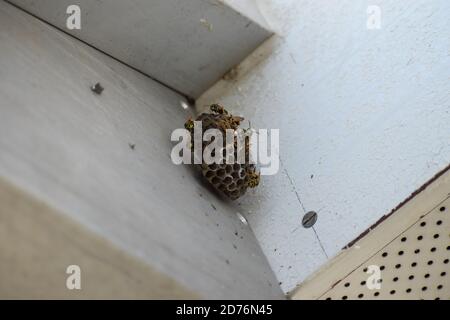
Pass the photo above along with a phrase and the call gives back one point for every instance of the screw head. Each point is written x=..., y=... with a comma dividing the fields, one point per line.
x=242, y=218
x=309, y=219
x=97, y=88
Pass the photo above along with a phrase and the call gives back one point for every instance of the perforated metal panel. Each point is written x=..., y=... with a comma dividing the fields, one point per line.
x=406, y=256
x=415, y=265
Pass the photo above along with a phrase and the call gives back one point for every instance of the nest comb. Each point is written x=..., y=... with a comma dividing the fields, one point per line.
x=233, y=180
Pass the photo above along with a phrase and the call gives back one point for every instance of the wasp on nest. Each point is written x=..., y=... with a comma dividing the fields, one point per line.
x=232, y=179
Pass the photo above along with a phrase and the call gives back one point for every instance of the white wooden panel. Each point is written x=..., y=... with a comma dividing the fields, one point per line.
x=363, y=116
x=411, y=248
x=71, y=149
x=38, y=244
x=187, y=45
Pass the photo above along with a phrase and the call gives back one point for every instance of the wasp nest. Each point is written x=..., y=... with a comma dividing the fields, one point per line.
x=234, y=179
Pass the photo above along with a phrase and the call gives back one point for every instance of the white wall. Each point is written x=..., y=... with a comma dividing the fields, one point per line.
x=364, y=119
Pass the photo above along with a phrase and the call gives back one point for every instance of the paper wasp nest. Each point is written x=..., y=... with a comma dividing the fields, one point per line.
x=233, y=180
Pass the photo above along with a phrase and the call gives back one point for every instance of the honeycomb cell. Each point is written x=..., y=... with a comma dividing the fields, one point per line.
x=221, y=173
x=228, y=180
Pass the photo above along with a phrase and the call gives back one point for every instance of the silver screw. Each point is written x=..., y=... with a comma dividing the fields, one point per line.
x=309, y=219
x=242, y=218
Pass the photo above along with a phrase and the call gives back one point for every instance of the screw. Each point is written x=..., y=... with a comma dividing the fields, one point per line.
x=242, y=218
x=309, y=219
x=97, y=88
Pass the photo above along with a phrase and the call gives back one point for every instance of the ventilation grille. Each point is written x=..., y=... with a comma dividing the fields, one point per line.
x=414, y=265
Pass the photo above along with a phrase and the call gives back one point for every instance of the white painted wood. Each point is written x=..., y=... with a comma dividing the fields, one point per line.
x=38, y=244
x=363, y=116
x=70, y=148
x=187, y=45
x=251, y=9
x=429, y=206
